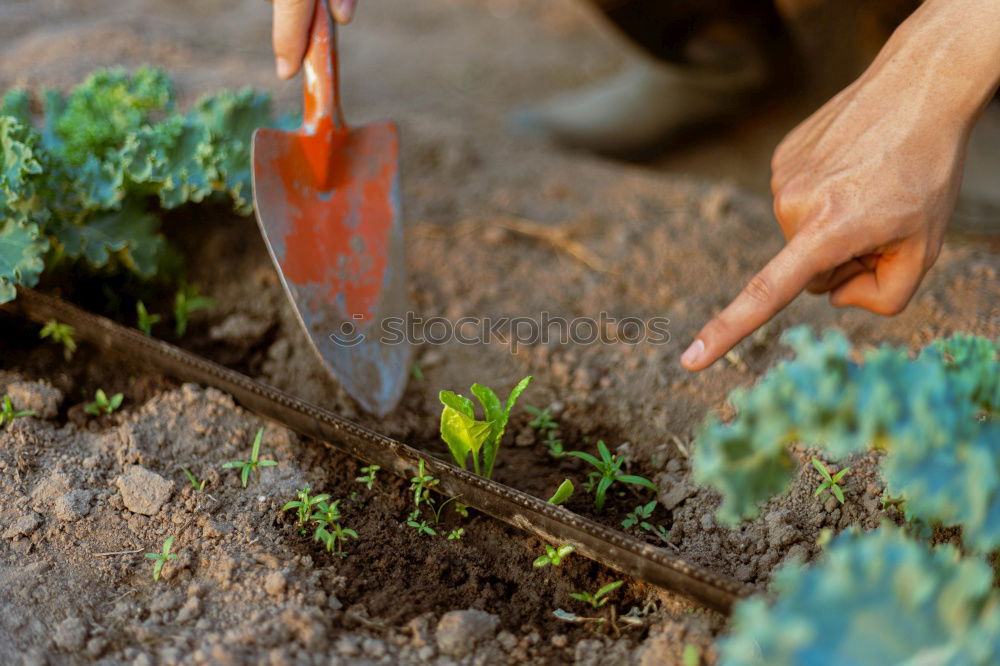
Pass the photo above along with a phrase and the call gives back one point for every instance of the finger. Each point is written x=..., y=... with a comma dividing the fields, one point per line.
x=343, y=10
x=292, y=20
x=781, y=280
x=888, y=288
x=830, y=280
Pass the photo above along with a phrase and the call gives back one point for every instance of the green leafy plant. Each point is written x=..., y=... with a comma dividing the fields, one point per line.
x=421, y=485
x=334, y=536
x=368, y=476
x=456, y=534
x=161, y=558
x=80, y=187
x=608, y=473
x=195, y=483
x=304, y=505
x=60, y=334
x=8, y=413
x=186, y=301
x=641, y=518
x=872, y=599
x=830, y=482
x=462, y=509
x=420, y=526
x=146, y=320
x=563, y=493
x=252, y=465
x=544, y=424
x=466, y=436
x=554, y=555
x=599, y=598
x=103, y=404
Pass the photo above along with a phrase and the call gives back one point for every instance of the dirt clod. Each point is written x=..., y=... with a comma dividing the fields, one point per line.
x=144, y=491
x=72, y=506
x=39, y=397
x=459, y=632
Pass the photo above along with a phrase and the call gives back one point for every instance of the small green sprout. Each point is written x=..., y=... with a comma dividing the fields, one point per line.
x=327, y=512
x=554, y=555
x=146, y=320
x=161, y=558
x=608, y=472
x=195, y=483
x=600, y=597
x=61, y=334
x=440, y=509
x=555, y=445
x=456, y=534
x=642, y=513
x=368, y=476
x=421, y=527
x=830, y=482
x=543, y=423
x=417, y=372
x=334, y=536
x=254, y=463
x=104, y=405
x=187, y=301
x=466, y=436
x=304, y=504
x=421, y=485
x=462, y=509
x=563, y=493
x=8, y=413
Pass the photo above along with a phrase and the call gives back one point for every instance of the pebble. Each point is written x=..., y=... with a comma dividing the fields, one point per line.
x=275, y=583
x=458, y=632
x=73, y=505
x=70, y=634
x=143, y=491
x=23, y=526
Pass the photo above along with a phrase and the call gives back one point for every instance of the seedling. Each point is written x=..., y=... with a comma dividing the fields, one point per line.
x=543, y=423
x=462, y=509
x=254, y=464
x=187, y=301
x=61, y=334
x=195, y=483
x=555, y=445
x=304, y=504
x=553, y=555
x=608, y=472
x=8, y=413
x=104, y=405
x=327, y=512
x=464, y=435
x=161, y=558
x=368, y=476
x=830, y=482
x=563, y=493
x=421, y=485
x=600, y=597
x=421, y=527
x=440, y=509
x=640, y=518
x=456, y=534
x=146, y=320
x=417, y=372
x=334, y=536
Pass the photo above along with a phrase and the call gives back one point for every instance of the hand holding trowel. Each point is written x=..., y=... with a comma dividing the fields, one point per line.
x=328, y=203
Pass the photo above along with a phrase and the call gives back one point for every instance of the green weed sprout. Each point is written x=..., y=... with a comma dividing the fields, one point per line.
x=553, y=555
x=544, y=424
x=368, y=476
x=195, y=483
x=600, y=597
x=456, y=534
x=421, y=527
x=562, y=494
x=464, y=435
x=187, y=301
x=462, y=509
x=334, y=536
x=421, y=485
x=829, y=481
x=161, y=558
x=640, y=518
x=304, y=504
x=60, y=334
x=327, y=512
x=104, y=405
x=254, y=463
x=146, y=320
x=8, y=413
x=608, y=472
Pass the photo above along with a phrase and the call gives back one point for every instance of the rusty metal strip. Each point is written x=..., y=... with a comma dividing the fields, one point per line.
x=610, y=547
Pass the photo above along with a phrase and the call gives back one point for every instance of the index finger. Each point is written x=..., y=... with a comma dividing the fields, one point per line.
x=767, y=293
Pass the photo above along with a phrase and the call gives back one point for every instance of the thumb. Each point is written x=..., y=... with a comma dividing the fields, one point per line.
x=888, y=287
x=767, y=293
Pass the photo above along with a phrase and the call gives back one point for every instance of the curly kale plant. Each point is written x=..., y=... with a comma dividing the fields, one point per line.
x=873, y=599
x=79, y=184
x=934, y=415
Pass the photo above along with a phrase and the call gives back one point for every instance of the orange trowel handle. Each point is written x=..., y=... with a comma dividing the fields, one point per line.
x=321, y=108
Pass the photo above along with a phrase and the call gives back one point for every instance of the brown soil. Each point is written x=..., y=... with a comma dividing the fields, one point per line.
x=247, y=587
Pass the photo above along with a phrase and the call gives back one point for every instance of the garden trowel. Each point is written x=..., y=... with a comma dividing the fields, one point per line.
x=328, y=203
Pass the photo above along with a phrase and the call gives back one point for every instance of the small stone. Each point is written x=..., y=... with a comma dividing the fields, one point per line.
x=374, y=647
x=707, y=522
x=459, y=632
x=70, y=634
x=240, y=330
x=348, y=646
x=507, y=640
x=143, y=491
x=23, y=526
x=275, y=583
x=72, y=506
x=560, y=641
x=675, y=494
x=333, y=603
x=39, y=397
